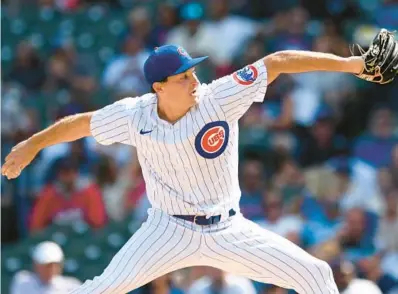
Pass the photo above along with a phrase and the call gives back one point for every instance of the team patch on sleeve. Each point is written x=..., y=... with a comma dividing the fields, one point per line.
x=246, y=76
x=212, y=139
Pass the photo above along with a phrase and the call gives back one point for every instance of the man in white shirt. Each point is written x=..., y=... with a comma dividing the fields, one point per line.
x=348, y=283
x=46, y=278
x=275, y=220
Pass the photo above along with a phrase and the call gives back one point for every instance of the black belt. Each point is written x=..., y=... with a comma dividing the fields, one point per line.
x=202, y=220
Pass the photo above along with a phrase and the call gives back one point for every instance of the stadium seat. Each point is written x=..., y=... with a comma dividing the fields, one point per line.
x=75, y=248
x=72, y=265
x=16, y=258
x=5, y=283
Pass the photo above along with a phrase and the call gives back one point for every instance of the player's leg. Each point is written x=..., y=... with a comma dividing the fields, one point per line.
x=160, y=246
x=248, y=250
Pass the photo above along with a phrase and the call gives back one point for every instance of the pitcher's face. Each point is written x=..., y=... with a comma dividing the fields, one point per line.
x=182, y=88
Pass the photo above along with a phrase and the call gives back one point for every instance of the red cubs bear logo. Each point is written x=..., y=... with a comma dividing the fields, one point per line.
x=212, y=139
x=246, y=75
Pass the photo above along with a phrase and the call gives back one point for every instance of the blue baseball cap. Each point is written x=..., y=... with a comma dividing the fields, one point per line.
x=168, y=60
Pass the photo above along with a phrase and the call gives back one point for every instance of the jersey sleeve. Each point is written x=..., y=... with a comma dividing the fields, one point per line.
x=236, y=92
x=113, y=123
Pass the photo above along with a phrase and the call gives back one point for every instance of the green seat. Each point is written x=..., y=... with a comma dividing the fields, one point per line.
x=72, y=265
x=5, y=283
x=112, y=237
x=85, y=41
x=75, y=247
x=90, y=269
x=16, y=258
x=53, y=232
x=88, y=272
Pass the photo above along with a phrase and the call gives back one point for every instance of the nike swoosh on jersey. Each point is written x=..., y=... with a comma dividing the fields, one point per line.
x=142, y=132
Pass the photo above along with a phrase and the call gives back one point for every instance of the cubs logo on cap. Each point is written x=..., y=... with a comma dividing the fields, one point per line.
x=182, y=51
x=212, y=139
x=168, y=60
x=246, y=75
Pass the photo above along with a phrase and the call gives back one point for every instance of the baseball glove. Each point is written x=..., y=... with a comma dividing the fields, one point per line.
x=381, y=59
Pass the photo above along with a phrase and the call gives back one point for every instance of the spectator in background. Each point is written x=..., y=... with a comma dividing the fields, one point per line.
x=224, y=48
x=322, y=143
x=252, y=182
x=387, y=234
x=136, y=201
x=58, y=73
x=47, y=275
x=386, y=14
x=331, y=39
x=313, y=89
x=375, y=147
x=323, y=220
x=348, y=283
x=114, y=184
x=278, y=106
x=83, y=69
x=253, y=136
x=277, y=115
x=69, y=199
x=385, y=182
x=139, y=25
x=78, y=151
x=371, y=151
x=371, y=269
x=166, y=21
x=375, y=190
x=394, y=166
x=294, y=36
x=322, y=84
x=124, y=75
x=289, y=182
x=274, y=290
x=19, y=121
x=329, y=180
x=277, y=220
x=28, y=68
x=354, y=239
x=357, y=234
x=217, y=281
x=193, y=33
x=252, y=51
x=161, y=285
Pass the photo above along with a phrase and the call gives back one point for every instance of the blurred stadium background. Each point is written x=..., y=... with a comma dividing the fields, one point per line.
x=319, y=158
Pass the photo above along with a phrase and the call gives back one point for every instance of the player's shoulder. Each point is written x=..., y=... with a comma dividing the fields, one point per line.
x=138, y=103
x=241, y=78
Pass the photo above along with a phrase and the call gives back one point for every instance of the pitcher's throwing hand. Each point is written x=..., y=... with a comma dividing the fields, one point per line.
x=20, y=156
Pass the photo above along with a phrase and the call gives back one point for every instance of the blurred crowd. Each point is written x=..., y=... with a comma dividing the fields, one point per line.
x=318, y=159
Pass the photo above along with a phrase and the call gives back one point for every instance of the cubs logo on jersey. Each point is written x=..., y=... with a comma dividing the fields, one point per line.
x=246, y=75
x=212, y=139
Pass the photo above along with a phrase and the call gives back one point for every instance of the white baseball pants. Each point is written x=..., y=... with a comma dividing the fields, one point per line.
x=164, y=244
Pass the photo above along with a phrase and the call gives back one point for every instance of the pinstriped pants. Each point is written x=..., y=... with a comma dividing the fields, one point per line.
x=164, y=244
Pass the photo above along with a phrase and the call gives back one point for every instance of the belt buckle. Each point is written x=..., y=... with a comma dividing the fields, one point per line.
x=194, y=219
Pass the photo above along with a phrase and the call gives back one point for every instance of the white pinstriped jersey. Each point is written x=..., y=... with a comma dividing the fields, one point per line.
x=190, y=167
